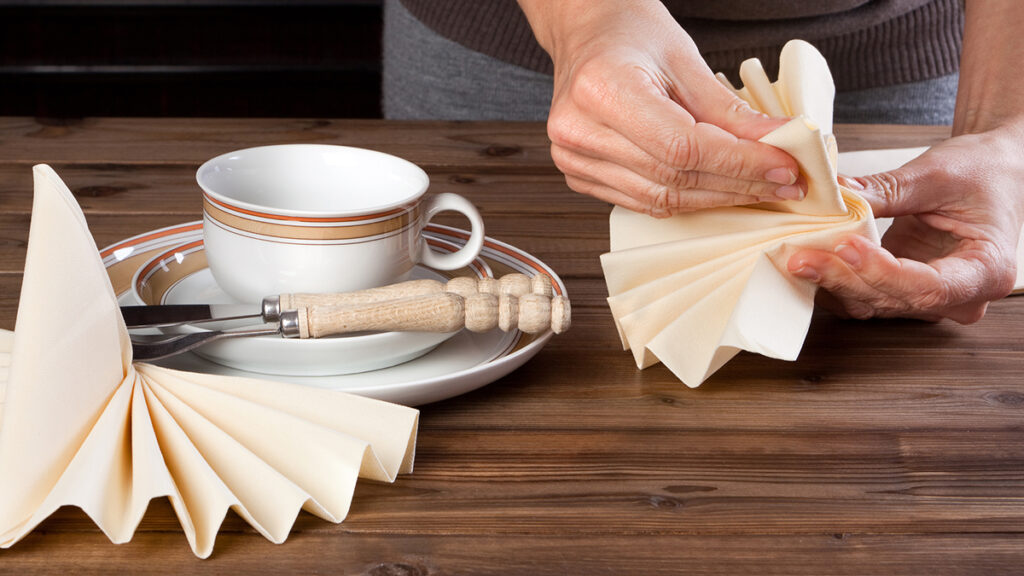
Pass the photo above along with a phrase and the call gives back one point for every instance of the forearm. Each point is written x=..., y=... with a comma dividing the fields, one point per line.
x=991, y=90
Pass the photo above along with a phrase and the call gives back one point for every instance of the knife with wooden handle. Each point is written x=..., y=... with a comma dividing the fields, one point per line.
x=437, y=312
x=271, y=309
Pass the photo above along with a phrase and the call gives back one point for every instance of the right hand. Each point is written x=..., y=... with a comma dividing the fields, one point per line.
x=639, y=120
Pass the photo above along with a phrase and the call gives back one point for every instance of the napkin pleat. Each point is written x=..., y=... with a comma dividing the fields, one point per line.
x=779, y=305
x=262, y=496
x=203, y=499
x=644, y=315
x=698, y=331
x=805, y=142
x=354, y=416
x=321, y=463
x=762, y=95
x=694, y=289
x=150, y=475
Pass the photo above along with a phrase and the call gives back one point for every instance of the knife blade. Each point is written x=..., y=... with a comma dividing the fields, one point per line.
x=170, y=315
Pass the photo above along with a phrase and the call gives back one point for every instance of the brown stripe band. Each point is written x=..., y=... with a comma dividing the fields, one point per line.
x=310, y=219
x=299, y=232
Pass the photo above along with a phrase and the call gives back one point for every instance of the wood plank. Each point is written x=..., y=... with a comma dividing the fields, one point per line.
x=154, y=189
x=485, y=145
x=649, y=482
x=514, y=554
x=482, y=145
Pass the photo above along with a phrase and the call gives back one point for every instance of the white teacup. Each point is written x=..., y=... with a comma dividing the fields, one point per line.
x=320, y=218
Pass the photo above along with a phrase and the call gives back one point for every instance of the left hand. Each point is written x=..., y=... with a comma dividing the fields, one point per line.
x=952, y=247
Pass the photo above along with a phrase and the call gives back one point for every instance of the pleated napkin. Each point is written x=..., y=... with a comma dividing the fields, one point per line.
x=84, y=426
x=693, y=290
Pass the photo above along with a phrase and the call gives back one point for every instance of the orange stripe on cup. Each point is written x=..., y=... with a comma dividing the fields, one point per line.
x=296, y=228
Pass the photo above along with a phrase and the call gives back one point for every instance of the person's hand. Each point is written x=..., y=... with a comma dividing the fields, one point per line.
x=952, y=246
x=638, y=119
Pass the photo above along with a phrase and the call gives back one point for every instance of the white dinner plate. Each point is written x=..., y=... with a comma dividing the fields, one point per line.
x=462, y=363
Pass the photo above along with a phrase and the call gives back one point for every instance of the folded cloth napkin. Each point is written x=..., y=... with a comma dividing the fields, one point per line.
x=82, y=425
x=693, y=290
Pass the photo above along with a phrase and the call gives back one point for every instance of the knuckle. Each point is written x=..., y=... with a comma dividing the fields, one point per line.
x=739, y=107
x=935, y=299
x=675, y=178
x=659, y=200
x=592, y=86
x=565, y=130
x=724, y=157
x=739, y=167
x=577, y=185
x=888, y=185
x=564, y=160
x=663, y=201
x=1005, y=268
x=683, y=151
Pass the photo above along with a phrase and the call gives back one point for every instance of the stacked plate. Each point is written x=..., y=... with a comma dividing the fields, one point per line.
x=168, y=266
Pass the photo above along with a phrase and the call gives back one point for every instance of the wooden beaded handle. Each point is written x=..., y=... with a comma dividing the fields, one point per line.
x=439, y=312
x=515, y=301
x=512, y=284
x=370, y=295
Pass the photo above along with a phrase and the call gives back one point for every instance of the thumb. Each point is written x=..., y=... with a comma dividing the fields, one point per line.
x=889, y=194
x=721, y=107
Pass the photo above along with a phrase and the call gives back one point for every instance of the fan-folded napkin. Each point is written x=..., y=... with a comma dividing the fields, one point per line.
x=694, y=289
x=82, y=425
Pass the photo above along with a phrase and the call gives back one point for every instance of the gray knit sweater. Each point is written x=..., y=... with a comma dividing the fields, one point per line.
x=867, y=43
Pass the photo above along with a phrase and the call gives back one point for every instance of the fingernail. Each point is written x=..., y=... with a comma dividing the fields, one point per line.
x=848, y=254
x=808, y=273
x=780, y=176
x=790, y=193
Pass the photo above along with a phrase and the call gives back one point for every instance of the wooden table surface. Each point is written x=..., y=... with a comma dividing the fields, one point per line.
x=888, y=447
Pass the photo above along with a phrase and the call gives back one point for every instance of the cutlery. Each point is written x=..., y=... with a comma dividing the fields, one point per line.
x=437, y=312
x=270, y=310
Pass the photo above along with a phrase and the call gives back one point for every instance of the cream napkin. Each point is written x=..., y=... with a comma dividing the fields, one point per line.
x=693, y=290
x=82, y=425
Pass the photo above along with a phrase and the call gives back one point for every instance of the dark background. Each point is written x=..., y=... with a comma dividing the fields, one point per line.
x=312, y=58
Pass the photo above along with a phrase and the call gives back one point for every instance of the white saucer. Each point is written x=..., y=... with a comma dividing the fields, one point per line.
x=461, y=364
x=179, y=275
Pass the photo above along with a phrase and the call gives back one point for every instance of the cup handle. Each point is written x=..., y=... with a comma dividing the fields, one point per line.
x=453, y=202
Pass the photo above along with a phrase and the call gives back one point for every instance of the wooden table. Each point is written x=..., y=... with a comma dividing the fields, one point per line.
x=888, y=447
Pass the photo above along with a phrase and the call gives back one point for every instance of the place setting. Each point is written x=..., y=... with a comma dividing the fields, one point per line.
x=223, y=261
x=315, y=298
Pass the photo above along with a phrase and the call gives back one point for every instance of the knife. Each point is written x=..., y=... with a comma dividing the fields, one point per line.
x=439, y=312
x=270, y=310
x=436, y=312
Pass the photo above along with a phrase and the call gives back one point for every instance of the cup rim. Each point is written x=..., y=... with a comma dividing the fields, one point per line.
x=317, y=215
